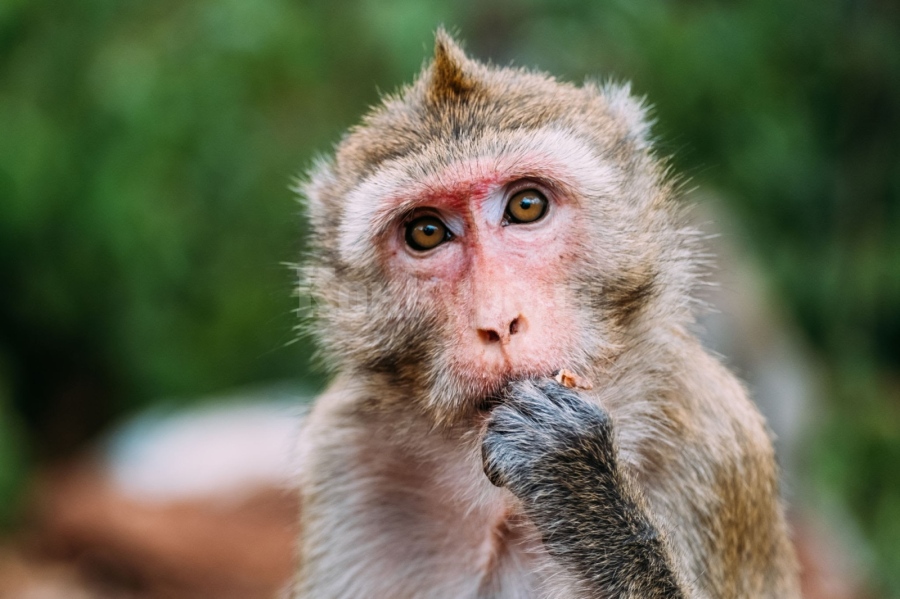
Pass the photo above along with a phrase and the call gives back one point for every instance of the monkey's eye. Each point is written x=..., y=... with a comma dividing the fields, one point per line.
x=526, y=206
x=426, y=232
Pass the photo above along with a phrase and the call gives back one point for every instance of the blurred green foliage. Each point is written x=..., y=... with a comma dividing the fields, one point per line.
x=146, y=150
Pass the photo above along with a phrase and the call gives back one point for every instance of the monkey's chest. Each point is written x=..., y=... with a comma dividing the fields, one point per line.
x=443, y=531
x=484, y=552
x=400, y=526
x=509, y=557
x=495, y=549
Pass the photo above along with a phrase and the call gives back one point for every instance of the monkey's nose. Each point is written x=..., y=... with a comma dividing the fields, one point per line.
x=501, y=334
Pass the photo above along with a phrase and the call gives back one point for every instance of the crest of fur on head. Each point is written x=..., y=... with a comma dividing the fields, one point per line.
x=635, y=263
x=449, y=79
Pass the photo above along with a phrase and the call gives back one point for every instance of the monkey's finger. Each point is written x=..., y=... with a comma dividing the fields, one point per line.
x=544, y=399
x=578, y=404
x=491, y=468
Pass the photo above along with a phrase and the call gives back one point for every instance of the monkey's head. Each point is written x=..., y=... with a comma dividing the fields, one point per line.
x=486, y=224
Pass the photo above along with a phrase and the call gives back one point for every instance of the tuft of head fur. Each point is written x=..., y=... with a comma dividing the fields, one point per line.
x=448, y=78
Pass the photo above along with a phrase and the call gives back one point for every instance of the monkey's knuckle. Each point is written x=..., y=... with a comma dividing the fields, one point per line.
x=521, y=416
x=505, y=412
x=498, y=436
x=581, y=409
x=522, y=387
x=596, y=415
x=495, y=443
x=526, y=393
x=493, y=471
x=503, y=464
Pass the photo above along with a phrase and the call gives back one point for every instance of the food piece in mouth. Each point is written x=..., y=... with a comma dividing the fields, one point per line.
x=569, y=379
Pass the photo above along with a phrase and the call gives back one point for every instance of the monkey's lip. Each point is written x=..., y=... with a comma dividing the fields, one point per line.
x=488, y=402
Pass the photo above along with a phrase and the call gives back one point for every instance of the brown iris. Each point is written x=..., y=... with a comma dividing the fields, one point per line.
x=426, y=232
x=526, y=206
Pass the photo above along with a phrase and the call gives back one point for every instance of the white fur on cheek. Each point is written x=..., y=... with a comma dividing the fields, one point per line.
x=549, y=153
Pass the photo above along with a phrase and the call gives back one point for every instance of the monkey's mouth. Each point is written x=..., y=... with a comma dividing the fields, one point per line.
x=563, y=376
x=488, y=403
x=493, y=396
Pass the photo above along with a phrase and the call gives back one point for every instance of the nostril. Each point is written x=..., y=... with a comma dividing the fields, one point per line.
x=502, y=333
x=488, y=335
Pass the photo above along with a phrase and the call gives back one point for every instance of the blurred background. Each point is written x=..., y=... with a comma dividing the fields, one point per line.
x=150, y=374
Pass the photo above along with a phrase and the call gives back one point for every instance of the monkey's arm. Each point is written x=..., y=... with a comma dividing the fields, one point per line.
x=555, y=452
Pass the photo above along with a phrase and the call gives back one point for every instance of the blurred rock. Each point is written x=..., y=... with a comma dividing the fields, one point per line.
x=188, y=505
x=231, y=445
x=214, y=547
x=24, y=578
x=829, y=570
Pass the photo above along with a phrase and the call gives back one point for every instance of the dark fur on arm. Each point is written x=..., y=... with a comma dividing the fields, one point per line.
x=555, y=452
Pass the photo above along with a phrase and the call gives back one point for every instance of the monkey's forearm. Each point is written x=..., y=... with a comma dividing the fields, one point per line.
x=592, y=521
x=555, y=452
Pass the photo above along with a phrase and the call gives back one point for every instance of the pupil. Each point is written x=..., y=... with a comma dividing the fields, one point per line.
x=526, y=204
x=429, y=230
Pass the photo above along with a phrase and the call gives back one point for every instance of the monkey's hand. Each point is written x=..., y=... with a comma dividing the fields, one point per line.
x=555, y=452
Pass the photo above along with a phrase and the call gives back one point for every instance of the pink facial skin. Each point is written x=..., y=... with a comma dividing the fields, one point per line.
x=500, y=284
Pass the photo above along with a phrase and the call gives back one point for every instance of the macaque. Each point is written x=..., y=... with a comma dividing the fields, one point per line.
x=519, y=407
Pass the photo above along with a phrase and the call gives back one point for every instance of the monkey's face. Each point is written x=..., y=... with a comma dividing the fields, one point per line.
x=487, y=261
x=488, y=252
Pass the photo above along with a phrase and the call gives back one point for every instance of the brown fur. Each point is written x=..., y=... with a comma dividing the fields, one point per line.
x=395, y=503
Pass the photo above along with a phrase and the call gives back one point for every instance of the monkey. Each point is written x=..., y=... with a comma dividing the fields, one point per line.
x=480, y=230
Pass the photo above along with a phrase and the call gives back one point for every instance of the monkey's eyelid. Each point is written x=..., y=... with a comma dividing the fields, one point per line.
x=552, y=188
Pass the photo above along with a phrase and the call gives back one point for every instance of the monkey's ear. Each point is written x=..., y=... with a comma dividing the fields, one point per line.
x=450, y=75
